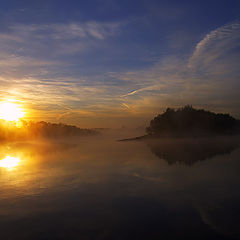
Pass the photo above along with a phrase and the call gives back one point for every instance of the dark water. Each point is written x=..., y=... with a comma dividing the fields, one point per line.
x=96, y=188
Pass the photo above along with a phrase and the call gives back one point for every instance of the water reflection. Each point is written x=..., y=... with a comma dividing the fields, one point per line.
x=189, y=151
x=95, y=189
x=9, y=162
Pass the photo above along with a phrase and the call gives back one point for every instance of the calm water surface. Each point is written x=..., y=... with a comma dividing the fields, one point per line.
x=98, y=188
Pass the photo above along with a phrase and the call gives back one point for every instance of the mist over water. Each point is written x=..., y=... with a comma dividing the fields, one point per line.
x=98, y=188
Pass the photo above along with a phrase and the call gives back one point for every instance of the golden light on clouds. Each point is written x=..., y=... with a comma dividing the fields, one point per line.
x=9, y=162
x=11, y=111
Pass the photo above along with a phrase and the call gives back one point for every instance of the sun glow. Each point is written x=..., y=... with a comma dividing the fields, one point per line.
x=9, y=162
x=10, y=111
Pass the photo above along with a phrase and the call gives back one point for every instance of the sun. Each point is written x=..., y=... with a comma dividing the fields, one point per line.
x=10, y=111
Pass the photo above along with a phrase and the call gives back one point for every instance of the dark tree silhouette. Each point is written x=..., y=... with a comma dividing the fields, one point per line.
x=190, y=121
x=31, y=130
x=46, y=129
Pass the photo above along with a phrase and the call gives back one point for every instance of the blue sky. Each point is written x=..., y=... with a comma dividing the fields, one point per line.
x=109, y=63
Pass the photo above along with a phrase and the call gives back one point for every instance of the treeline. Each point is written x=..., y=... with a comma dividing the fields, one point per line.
x=29, y=130
x=47, y=129
x=191, y=121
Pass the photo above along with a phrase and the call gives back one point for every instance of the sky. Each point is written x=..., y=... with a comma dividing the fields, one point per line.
x=109, y=63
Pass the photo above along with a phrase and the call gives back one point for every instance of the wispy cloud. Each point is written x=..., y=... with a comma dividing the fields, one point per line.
x=209, y=77
x=217, y=42
x=30, y=72
x=63, y=30
x=43, y=39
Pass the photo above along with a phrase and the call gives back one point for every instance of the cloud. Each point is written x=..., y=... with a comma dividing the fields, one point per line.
x=60, y=31
x=210, y=77
x=29, y=71
x=41, y=40
x=219, y=43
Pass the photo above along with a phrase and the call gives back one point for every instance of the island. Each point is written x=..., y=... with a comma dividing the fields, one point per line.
x=190, y=122
x=188, y=135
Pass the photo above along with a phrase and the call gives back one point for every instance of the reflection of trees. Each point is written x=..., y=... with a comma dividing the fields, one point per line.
x=188, y=151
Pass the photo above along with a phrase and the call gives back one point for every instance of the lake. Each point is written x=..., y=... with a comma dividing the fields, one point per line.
x=99, y=188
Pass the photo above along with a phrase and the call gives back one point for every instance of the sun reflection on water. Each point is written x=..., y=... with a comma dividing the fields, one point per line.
x=9, y=162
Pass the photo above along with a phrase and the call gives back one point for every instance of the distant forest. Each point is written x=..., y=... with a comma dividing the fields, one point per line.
x=194, y=122
x=30, y=130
